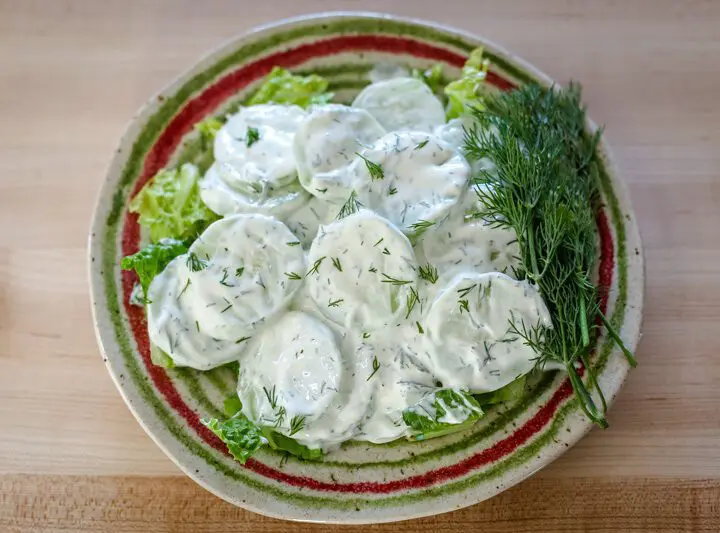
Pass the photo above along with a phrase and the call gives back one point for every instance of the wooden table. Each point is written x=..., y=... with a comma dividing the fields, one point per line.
x=72, y=458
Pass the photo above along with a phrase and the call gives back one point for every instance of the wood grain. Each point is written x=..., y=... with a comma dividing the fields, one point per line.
x=72, y=73
x=177, y=505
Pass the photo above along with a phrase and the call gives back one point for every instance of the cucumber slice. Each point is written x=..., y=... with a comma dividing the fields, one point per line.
x=325, y=145
x=402, y=104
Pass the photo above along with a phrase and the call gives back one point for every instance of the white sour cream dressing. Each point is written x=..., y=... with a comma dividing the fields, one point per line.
x=323, y=372
x=223, y=199
x=469, y=337
x=231, y=281
x=422, y=178
x=255, y=171
x=305, y=221
x=294, y=371
x=172, y=327
x=359, y=337
x=474, y=246
x=325, y=145
x=244, y=162
x=360, y=271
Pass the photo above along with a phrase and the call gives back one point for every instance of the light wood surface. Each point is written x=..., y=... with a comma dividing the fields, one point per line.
x=72, y=458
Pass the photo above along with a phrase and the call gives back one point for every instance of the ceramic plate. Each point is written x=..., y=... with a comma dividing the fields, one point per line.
x=360, y=483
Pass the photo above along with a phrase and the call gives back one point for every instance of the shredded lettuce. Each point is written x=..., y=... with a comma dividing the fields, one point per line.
x=152, y=260
x=467, y=92
x=242, y=437
x=441, y=413
x=510, y=392
x=170, y=206
x=283, y=87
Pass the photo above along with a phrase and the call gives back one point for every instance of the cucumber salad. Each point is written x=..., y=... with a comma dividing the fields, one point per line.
x=380, y=269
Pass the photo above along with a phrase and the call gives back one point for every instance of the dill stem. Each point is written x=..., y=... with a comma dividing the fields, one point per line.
x=533, y=253
x=586, y=402
x=611, y=331
x=583, y=322
x=592, y=379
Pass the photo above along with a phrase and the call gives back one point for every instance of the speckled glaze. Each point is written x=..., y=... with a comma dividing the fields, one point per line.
x=360, y=483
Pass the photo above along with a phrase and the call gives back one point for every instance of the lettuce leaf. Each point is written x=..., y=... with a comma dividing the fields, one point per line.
x=159, y=358
x=205, y=155
x=282, y=87
x=432, y=77
x=170, y=206
x=510, y=392
x=441, y=413
x=467, y=91
x=137, y=296
x=152, y=260
x=232, y=405
x=242, y=437
x=207, y=129
x=278, y=441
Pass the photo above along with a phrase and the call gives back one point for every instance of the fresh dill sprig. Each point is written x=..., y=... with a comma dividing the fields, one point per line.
x=336, y=263
x=293, y=275
x=394, y=281
x=293, y=243
x=375, y=367
x=376, y=171
x=392, y=191
x=462, y=293
x=545, y=186
x=386, y=251
x=239, y=271
x=428, y=273
x=464, y=306
x=421, y=226
x=352, y=205
x=187, y=284
x=280, y=416
x=223, y=281
x=411, y=301
x=297, y=423
x=381, y=239
x=420, y=328
x=335, y=303
x=422, y=144
x=242, y=339
x=271, y=396
x=316, y=266
x=252, y=136
x=194, y=263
